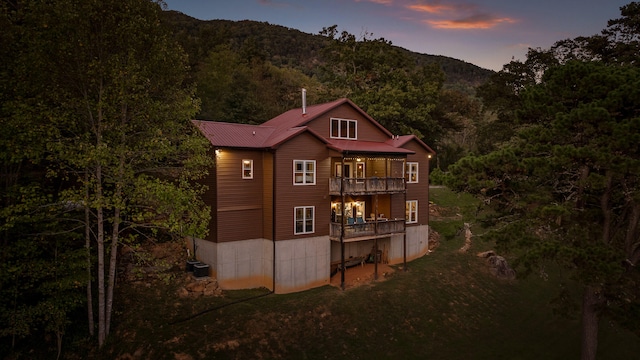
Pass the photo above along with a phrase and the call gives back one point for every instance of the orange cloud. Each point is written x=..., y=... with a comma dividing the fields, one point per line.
x=451, y=15
x=381, y=2
x=478, y=21
x=431, y=8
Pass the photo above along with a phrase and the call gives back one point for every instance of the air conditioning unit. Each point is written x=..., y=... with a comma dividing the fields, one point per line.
x=200, y=270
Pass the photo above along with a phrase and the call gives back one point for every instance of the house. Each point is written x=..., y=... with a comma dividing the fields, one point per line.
x=295, y=198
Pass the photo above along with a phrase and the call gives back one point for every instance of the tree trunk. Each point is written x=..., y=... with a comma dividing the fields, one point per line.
x=100, y=239
x=112, y=268
x=590, y=319
x=87, y=244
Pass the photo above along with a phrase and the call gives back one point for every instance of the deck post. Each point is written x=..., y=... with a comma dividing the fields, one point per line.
x=343, y=221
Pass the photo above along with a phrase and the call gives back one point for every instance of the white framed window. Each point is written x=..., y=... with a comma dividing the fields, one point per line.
x=247, y=169
x=411, y=212
x=304, y=172
x=304, y=219
x=412, y=172
x=344, y=129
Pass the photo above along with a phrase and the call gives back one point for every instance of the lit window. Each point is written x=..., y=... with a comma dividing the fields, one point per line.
x=247, y=169
x=412, y=172
x=303, y=219
x=360, y=172
x=411, y=212
x=304, y=172
x=344, y=129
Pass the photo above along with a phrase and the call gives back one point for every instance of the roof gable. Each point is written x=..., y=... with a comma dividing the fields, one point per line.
x=295, y=117
x=400, y=141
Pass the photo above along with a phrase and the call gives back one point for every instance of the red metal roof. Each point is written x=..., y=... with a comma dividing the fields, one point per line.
x=402, y=140
x=295, y=117
x=222, y=134
x=278, y=130
x=234, y=135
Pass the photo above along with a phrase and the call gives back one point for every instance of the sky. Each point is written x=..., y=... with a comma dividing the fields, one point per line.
x=487, y=33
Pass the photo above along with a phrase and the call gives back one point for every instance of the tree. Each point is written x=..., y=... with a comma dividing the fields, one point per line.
x=567, y=186
x=235, y=89
x=384, y=81
x=111, y=96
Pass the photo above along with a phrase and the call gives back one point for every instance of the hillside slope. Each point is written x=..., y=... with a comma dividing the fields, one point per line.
x=284, y=46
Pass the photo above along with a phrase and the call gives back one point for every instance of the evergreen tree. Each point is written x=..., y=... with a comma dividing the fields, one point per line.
x=566, y=187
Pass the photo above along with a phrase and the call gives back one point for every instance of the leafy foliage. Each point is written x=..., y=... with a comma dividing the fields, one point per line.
x=96, y=94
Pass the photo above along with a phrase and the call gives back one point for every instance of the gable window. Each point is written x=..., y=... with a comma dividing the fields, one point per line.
x=411, y=212
x=247, y=169
x=304, y=219
x=344, y=129
x=304, y=172
x=412, y=172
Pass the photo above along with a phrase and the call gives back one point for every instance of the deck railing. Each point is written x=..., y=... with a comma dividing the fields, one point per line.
x=368, y=229
x=373, y=185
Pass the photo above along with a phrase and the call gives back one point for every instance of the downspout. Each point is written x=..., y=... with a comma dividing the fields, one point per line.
x=404, y=234
x=273, y=220
x=342, y=224
x=375, y=240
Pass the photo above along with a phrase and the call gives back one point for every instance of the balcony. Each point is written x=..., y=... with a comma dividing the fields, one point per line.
x=367, y=230
x=366, y=186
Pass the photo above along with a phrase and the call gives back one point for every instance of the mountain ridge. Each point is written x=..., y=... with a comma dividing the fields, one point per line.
x=289, y=47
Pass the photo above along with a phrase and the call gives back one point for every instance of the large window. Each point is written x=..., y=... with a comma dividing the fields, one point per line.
x=247, y=169
x=411, y=211
x=304, y=172
x=412, y=172
x=344, y=129
x=304, y=222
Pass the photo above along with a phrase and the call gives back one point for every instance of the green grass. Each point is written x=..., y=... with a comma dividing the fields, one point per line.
x=446, y=306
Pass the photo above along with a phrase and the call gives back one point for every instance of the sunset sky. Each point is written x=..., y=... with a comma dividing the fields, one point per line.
x=486, y=33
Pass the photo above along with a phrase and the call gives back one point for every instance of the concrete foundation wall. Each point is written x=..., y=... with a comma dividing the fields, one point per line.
x=242, y=264
x=417, y=244
x=302, y=264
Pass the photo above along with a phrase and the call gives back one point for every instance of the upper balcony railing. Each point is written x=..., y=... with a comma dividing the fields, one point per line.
x=373, y=185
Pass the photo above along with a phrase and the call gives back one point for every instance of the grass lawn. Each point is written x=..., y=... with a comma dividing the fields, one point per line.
x=446, y=306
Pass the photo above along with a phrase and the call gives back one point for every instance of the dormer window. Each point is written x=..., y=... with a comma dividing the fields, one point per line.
x=344, y=129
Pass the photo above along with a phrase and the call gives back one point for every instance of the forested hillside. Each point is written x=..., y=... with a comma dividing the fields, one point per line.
x=284, y=46
x=249, y=72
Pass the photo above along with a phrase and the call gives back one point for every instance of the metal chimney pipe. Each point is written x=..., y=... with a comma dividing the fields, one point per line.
x=304, y=101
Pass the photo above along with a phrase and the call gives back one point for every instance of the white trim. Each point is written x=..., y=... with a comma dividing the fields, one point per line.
x=250, y=163
x=304, y=220
x=411, y=171
x=301, y=177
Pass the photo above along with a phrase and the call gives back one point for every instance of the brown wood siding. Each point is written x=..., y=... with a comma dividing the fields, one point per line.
x=397, y=206
x=419, y=191
x=366, y=130
x=396, y=169
x=288, y=196
x=240, y=201
x=267, y=195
